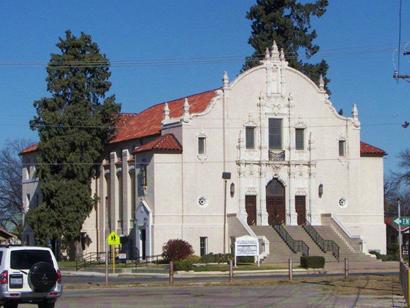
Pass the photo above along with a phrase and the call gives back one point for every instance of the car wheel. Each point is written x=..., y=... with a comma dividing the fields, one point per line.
x=42, y=277
x=11, y=305
x=46, y=305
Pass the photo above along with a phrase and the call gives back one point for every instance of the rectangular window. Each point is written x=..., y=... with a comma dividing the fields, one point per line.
x=342, y=148
x=201, y=145
x=25, y=259
x=300, y=138
x=143, y=174
x=142, y=180
x=1, y=256
x=203, y=245
x=250, y=137
x=275, y=134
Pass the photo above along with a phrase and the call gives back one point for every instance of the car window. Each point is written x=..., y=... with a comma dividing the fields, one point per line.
x=1, y=256
x=25, y=259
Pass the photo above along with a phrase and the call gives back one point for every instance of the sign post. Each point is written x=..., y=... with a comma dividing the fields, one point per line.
x=247, y=246
x=106, y=264
x=113, y=240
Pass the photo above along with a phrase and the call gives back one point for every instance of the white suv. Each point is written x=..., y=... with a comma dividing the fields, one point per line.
x=29, y=274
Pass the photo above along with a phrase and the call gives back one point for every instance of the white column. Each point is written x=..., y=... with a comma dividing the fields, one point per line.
x=101, y=210
x=113, y=192
x=292, y=218
x=262, y=197
x=126, y=198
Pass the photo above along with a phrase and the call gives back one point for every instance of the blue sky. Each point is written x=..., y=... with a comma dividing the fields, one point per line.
x=357, y=38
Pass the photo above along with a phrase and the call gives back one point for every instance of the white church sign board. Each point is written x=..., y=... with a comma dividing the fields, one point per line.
x=247, y=246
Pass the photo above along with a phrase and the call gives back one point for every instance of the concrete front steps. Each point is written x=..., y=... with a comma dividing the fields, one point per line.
x=345, y=250
x=298, y=233
x=279, y=252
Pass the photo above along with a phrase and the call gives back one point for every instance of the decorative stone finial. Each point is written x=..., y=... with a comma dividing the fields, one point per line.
x=282, y=55
x=355, y=112
x=267, y=54
x=166, y=112
x=225, y=79
x=186, y=110
x=275, y=52
x=355, y=116
x=321, y=83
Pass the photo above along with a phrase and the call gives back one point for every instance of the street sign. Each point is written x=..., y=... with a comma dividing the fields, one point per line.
x=402, y=221
x=113, y=239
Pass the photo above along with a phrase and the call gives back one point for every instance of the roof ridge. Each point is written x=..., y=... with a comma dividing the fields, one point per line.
x=179, y=98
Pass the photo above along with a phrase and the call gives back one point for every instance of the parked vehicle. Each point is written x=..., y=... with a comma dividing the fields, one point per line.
x=29, y=274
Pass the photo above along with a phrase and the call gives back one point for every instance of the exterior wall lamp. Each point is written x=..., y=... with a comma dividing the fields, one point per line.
x=232, y=190
x=320, y=190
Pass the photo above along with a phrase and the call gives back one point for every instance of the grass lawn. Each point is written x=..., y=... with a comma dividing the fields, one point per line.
x=241, y=267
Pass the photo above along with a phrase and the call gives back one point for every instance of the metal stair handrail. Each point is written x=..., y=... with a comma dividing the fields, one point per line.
x=94, y=258
x=294, y=245
x=324, y=245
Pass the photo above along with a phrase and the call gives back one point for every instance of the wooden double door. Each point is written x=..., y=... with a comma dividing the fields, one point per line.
x=300, y=207
x=250, y=206
x=275, y=202
x=275, y=205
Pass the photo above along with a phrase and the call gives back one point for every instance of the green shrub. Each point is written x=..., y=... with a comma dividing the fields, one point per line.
x=186, y=264
x=388, y=257
x=175, y=250
x=216, y=258
x=312, y=262
x=376, y=253
x=248, y=259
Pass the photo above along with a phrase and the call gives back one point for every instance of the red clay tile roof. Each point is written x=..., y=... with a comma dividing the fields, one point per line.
x=369, y=150
x=148, y=122
x=30, y=149
x=164, y=143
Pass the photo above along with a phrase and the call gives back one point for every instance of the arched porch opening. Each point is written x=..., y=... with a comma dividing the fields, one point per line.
x=275, y=202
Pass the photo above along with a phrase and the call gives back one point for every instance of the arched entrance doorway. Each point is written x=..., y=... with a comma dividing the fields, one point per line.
x=275, y=202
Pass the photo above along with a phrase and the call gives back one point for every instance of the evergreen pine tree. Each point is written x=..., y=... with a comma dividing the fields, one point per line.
x=73, y=124
x=288, y=23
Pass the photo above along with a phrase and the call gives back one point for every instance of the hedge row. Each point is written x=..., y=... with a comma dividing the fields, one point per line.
x=312, y=262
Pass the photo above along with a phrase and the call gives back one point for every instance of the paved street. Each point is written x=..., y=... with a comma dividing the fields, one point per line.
x=283, y=295
x=326, y=291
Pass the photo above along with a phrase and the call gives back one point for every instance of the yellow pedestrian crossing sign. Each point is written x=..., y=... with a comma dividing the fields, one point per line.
x=113, y=239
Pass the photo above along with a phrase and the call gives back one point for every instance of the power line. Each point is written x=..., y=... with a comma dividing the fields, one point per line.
x=397, y=75
x=208, y=127
x=185, y=61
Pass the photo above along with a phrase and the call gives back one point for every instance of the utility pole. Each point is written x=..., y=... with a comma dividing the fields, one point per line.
x=396, y=74
x=400, y=235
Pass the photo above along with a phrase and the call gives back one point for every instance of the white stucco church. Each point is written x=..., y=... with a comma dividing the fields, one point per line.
x=287, y=156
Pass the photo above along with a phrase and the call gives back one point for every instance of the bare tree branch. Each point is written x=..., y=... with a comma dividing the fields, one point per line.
x=11, y=205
